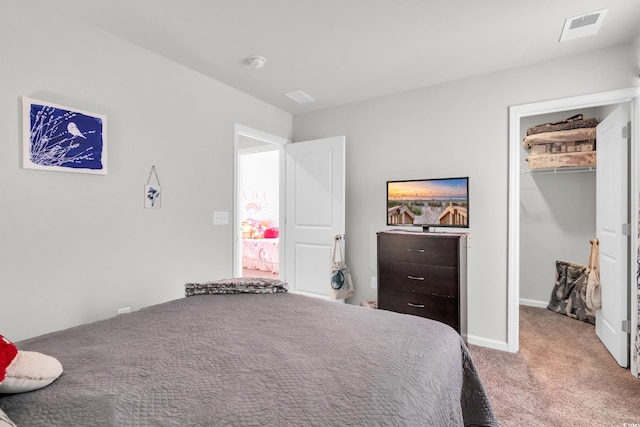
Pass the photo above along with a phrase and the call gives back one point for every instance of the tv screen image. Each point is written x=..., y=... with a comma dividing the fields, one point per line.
x=441, y=202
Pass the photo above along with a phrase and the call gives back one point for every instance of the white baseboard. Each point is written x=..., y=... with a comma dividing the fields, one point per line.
x=534, y=303
x=484, y=342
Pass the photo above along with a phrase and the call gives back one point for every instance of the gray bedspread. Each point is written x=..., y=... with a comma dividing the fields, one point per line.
x=256, y=360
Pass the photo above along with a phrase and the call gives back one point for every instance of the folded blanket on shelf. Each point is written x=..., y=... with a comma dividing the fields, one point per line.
x=574, y=122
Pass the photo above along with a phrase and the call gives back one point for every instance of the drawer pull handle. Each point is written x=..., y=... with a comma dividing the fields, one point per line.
x=416, y=250
x=415, y=278
x=410, y=304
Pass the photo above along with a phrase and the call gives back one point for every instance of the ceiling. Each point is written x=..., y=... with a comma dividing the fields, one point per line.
x=342, y=51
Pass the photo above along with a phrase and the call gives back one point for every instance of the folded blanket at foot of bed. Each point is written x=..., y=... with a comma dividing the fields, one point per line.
x=239, y=285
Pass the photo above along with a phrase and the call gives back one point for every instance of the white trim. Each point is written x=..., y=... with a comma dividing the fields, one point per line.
x=516, y=113
x=485, y=342
x=279, y=142
x=257, y=134
x=634, y=185
x=513, y=232
x=257, y=149
x=534, y=303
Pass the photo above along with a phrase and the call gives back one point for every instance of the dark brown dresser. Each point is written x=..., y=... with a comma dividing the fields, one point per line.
x=424, y=274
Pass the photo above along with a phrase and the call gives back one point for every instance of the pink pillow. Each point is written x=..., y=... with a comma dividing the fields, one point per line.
x=271, y=233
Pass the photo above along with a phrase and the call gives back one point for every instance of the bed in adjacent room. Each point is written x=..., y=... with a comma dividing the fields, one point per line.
x=261, y=254
x=244, y=359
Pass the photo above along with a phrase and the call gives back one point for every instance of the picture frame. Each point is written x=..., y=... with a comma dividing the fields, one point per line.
x=152, y=196
x=152, y=192
x=59, y=138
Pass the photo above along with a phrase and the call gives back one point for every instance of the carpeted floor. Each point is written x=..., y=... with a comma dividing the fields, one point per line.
x=562, y=376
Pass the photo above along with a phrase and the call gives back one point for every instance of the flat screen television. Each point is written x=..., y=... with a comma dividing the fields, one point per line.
x=428, y=203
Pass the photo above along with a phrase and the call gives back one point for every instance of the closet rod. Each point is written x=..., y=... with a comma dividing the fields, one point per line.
x=559, y=170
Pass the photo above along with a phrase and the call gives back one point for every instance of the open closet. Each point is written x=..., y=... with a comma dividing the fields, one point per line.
x=561, y=209
x=557, y=214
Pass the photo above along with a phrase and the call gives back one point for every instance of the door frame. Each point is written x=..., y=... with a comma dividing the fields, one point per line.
x=516, y=113
x=245, y=131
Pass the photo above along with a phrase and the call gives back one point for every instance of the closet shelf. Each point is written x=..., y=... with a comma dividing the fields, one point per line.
x=559, y=170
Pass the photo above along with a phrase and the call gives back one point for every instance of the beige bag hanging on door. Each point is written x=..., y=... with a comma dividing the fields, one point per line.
x=594, y=299
x=341, y=284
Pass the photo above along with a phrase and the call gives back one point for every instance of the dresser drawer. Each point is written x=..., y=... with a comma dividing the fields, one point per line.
x=419, y=278
x=441, y=251
x=442, y=309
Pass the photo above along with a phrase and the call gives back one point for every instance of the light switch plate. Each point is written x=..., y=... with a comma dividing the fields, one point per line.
x=220, y=217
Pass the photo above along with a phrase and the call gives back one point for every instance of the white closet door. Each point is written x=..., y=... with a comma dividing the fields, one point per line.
x=612, y=215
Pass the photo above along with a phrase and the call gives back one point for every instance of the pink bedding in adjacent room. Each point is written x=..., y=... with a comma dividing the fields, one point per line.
x=260, y=254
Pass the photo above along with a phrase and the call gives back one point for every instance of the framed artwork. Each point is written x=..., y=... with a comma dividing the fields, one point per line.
x=152, y=196
x=152, y=192
x=63, y=139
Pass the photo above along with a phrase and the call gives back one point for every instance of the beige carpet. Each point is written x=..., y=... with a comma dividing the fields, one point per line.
x=562, y=376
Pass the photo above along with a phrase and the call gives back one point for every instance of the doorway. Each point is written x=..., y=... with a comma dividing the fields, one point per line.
x=311, y=198
x=518, y=117
x=557, y=215
x=259, y=203
x=258, y=173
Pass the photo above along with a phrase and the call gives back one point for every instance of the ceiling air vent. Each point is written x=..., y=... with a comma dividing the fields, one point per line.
x=300, y=97
x=583, y=25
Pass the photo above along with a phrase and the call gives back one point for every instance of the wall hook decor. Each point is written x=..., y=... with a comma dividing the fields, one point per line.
x=152, y=191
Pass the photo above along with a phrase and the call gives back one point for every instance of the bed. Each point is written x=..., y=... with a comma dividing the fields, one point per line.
x=255, y=359
x=260, y=254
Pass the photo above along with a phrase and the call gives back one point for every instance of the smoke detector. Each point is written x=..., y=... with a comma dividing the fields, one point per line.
x=256, y=61
x=583, y=25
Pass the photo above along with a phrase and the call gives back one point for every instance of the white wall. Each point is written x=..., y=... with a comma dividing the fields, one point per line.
x=260, y=186
x=455, y=129
x=76, y=247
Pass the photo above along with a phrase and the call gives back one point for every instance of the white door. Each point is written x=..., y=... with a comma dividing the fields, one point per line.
x=315, y=212
x=612, y=215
